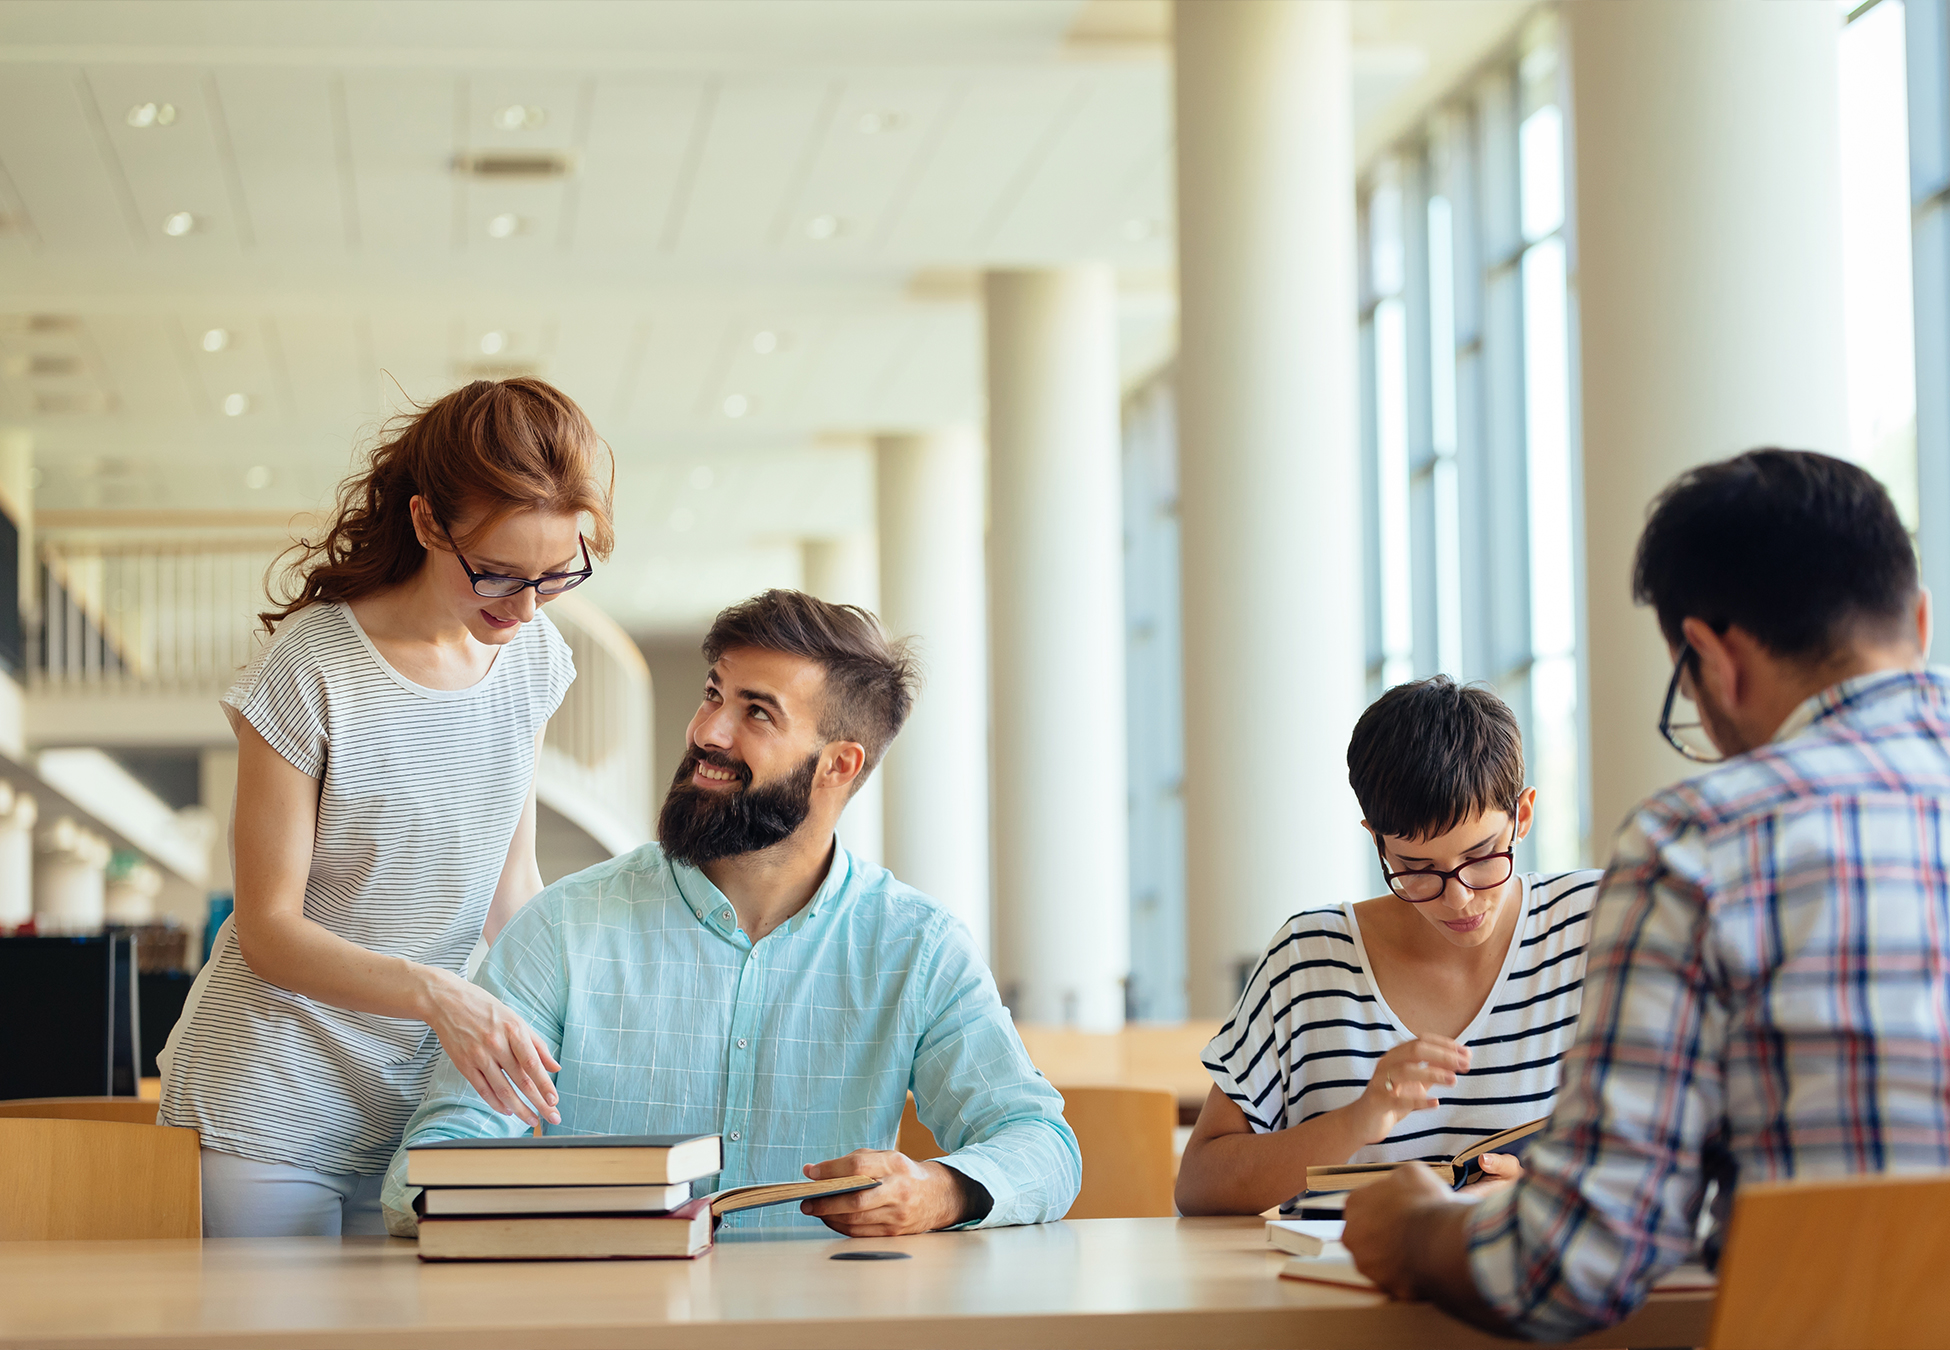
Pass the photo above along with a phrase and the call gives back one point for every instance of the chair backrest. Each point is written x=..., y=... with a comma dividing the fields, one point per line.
x=1125, y=1136
x=98, y=1179
x=1830, y=1265
x=125, y=1110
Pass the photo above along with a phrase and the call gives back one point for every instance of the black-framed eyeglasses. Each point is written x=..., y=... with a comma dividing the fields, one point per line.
x=1418, y=886
x=1679, y=719
x=494, y=586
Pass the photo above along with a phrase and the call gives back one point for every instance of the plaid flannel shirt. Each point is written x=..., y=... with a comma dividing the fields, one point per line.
x=1767, y=996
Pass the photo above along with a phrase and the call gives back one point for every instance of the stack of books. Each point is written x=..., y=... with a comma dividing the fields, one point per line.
x=581, y=1197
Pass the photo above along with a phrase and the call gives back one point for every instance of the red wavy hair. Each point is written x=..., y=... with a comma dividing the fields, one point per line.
x=498, y=446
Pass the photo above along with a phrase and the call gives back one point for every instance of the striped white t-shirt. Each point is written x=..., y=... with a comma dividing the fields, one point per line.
x=420, y=793
x=1311, y=1024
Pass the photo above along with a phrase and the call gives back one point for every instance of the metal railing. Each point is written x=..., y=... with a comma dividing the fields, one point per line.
x=143, y=617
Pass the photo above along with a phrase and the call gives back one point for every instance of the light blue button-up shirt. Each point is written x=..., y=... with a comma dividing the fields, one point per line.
x=803, y=1046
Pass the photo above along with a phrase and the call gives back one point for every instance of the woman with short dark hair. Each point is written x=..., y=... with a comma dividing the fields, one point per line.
x=1414, y=1025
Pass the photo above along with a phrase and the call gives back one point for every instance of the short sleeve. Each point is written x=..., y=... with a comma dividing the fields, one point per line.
x=282, y=694
x=561, y=668
x=1245, y=1058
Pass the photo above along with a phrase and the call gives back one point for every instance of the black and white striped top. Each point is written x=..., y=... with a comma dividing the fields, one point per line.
x=420, y=793
x=1311, y=1024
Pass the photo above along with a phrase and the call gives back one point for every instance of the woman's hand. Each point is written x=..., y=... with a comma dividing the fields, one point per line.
x=491, y=1046
x=1405, y=1080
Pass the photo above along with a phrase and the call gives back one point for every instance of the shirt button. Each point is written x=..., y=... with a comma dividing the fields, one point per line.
x=726, y=916
x=734, y=1136
x=741, y=1042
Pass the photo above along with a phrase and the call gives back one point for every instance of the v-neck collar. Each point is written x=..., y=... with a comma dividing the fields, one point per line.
x=1489, y=999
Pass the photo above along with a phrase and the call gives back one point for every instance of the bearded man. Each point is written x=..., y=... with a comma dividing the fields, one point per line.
x=746, y=976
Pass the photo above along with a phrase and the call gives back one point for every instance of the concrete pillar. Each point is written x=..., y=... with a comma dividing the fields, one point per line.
x=1708, y=258
x=70, y=872
x=846, y=571
x=1061, y=809
x=17, y=814
x=931, y=495
x=1269, y=474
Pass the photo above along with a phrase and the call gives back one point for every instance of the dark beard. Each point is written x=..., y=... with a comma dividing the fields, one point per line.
x=699, y=825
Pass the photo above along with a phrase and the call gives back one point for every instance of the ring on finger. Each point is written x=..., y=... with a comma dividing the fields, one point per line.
x=1388, y=1084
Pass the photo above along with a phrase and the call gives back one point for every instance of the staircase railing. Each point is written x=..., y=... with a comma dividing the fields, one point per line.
x=143, y=617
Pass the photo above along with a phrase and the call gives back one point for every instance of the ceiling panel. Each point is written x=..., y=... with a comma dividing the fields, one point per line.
x=175, y=168
x=147, y=366
x=675, y=354
x=50, y=146
x=244, y=365
x=1088, y=169
x=990, y=143
x=284, y=138
x=874, y=143
x=321, y=358
x=757, y=136
x=402, y=132
x=639, y=132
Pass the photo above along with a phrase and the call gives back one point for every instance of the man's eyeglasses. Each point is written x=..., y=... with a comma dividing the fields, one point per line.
x=1418, y=886
x=493, y=586
x=1679, y=720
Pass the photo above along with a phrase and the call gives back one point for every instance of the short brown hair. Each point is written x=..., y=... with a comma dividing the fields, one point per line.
x=870, y=678
x=499, y=445
x=1429, y=755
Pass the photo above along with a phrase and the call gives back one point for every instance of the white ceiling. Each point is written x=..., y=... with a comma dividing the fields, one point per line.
x=777, y=210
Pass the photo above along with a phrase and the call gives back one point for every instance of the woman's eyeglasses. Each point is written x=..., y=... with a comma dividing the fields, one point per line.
x=493, y=586
x=1418, y=886
x=1679, y=720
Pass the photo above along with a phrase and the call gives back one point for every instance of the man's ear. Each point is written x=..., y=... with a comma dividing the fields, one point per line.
x=1925, y=620
x=1716, y=665
x=845, y=761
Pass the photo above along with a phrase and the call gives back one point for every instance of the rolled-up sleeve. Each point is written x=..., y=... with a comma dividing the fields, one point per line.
x=526, y=970
x=1611, y=1192
x=974, y=1087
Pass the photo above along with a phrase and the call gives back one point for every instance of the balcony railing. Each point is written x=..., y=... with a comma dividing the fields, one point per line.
x=149, y=617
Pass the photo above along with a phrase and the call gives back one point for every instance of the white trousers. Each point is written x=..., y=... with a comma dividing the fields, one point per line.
x=246, y=1198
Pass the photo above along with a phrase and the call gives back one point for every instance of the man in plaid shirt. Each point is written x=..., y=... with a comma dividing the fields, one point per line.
x=1768, y=986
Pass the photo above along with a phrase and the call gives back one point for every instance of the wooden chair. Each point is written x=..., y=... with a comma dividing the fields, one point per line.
x=1125, y=1136
x=1830, y=1265
x=98, y=1179
x=123, y=1110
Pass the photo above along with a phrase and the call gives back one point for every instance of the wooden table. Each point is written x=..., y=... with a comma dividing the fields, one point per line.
x=1123, y=1283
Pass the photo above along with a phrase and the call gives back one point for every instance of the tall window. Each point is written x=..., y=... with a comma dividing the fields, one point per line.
x=1473, y=564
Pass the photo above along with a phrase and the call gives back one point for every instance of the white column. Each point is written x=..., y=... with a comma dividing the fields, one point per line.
x=1056, y=614
x=17, y=813
x=1269, y=474
x=70, y=872
x=846, y=571
x=1707, y=237
x=936, y=777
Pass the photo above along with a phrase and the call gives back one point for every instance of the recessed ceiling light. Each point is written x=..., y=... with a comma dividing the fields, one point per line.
x=823, y=227
x=702, y=478
x=257, y=477
x=1138, y=229
x=765, y=343
x=515, y=117
x=236, y=405
x=492, y=343
x=504, y=225
x=736, y=405
x=873, y=123
x=681, y=519
x=179, y=224
x=151, y=115
x=216, y=339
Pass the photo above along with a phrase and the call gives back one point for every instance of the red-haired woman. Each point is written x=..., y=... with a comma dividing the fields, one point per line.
x=387, y=737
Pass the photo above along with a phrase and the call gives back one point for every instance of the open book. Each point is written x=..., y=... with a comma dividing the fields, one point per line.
x=1457, y=1171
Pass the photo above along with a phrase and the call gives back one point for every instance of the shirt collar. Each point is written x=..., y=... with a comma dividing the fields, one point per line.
x=714, y=911
x=1851, y=694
